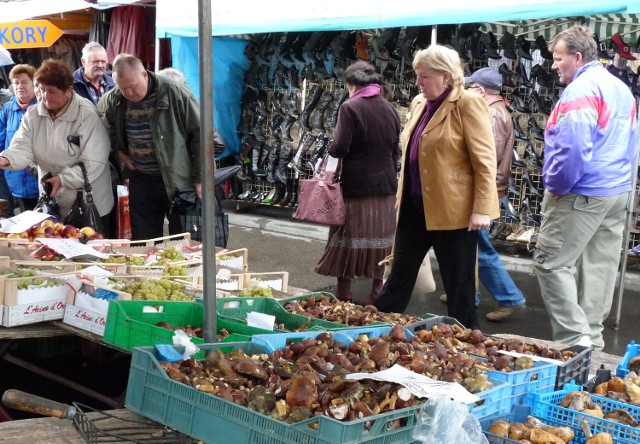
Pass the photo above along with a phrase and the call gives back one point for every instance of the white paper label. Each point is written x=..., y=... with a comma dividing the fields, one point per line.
x=22, y=222
x=419, y=385
x=533, y=357
x=71, y=248
x=260, y=320
x=96, y=270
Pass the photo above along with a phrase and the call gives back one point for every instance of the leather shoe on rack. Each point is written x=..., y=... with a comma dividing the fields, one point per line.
x=505, y=232
x=510, y=213
x=534, y=159
x=517, y=130
x=516, y=161
x=501, y=313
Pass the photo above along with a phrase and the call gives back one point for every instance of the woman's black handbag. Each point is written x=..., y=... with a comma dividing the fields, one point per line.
x=83, y=212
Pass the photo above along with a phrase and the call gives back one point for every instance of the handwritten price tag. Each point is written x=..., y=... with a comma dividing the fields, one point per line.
x=419, y=385
x=71, y=248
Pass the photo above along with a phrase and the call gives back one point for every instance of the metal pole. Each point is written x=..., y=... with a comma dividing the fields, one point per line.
x=205, y=58
x=623, y=259
x=434, y=35
x=157, y=55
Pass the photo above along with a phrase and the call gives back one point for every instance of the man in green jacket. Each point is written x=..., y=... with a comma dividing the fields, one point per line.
x=154, y=126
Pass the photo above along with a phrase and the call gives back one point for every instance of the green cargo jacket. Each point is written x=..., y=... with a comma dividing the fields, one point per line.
x=176, y=131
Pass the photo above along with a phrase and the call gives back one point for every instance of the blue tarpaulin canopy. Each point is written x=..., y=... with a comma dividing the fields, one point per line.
x=239, y=17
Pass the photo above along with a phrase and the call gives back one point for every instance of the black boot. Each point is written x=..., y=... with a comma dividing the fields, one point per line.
x=289, y=192
x=339, y=96
x=256, y=130
x=510, y=213
x=293, y=202
x=281, y=190
x=477, y=48
x=524, y=48
x=541, y=43
x=505, y=70
x=322, y=141
x=272, y=162
x=524, y=79
x=534, y=159
x=508, y=43
x=460, y=45
x=542, y=106
x=306, y=141
x=519, y=104
x=290, y=103
x=274, y=125
x=285, y=128
x=406, y=43
x=538, y=133
x=337, y=44
x=318, y=116
x=533, y=189
x=256, y=154
x=312, y=101
x=519, y=134
x=284, y=157
x=517, y=161
x=491, y=45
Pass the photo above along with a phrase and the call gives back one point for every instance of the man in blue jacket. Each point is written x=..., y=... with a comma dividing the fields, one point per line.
x=20, y=184
x=91, y=80
x=590, y=147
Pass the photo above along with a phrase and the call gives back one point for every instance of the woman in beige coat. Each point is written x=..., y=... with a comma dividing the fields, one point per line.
x=62, y=130
x=447, y=188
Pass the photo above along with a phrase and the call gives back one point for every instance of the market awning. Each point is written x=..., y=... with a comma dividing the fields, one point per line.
x=232, y=18
x=604, y=25
x=14, y=10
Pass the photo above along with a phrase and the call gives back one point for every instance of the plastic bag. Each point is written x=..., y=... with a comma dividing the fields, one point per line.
x=181, y=338
x=123, y=218
x=445, y=421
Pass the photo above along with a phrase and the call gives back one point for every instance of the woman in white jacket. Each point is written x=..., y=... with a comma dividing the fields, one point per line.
x=62, y=130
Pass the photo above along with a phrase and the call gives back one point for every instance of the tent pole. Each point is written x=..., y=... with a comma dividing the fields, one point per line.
x=623, y=259
x=205, y=58
x=434, y=35
x=157, y=55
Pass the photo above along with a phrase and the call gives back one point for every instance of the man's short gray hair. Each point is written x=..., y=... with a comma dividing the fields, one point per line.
x=174, y=74
x=126, y=62
x=91, y=47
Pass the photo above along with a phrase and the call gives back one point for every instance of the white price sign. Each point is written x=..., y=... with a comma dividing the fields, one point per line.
x=71, y=248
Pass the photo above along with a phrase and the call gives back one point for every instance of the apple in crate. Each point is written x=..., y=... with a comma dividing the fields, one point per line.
x=69, y=231
x=88, y=231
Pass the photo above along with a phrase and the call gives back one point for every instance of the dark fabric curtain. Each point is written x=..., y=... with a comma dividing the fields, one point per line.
x=132, y=31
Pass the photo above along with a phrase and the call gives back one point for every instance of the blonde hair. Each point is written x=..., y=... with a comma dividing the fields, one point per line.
x=442, y=60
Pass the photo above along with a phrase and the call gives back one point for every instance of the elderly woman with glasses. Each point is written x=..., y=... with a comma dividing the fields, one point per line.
x=447, y=190
x=60, y=131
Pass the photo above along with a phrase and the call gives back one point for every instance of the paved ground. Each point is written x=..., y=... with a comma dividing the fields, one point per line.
x=277, y=244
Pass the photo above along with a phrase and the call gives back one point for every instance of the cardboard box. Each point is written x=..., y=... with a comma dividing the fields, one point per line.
x=87, y=313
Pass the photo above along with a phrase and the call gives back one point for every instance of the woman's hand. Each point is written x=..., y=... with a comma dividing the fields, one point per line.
x=198, y=188
x=4, y=162
x=56, y=184
x=479, y=222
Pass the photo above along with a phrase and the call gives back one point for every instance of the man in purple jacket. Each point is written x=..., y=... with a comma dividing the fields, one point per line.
x=590, y=147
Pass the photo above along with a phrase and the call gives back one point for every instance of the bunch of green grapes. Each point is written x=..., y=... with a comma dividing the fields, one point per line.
x=224, y=257
x=157, y=290
x=114, y=260
x=257, y=292
x=174, y=270
x=36, y=282
x=136, y=260
x=170, y=254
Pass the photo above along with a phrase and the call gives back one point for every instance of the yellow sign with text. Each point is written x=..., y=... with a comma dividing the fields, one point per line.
x=29, y=34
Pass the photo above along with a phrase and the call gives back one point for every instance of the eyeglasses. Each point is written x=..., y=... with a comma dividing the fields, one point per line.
x=473, y=87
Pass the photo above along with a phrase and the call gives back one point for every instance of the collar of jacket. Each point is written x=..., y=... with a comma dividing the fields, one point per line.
x=420, y=103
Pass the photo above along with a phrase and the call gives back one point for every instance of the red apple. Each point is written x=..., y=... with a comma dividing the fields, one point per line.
x=68, y=231
x=49, y=232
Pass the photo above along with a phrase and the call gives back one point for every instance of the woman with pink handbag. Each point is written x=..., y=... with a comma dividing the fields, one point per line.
x=366, y=139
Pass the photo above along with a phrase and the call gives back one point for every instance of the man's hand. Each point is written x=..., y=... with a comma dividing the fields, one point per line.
x=56, y=184
x=198, y=187
x=126, y=160
x=4, y=162
x=479, y=222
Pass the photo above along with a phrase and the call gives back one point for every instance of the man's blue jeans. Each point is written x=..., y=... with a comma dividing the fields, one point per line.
x=494, y=276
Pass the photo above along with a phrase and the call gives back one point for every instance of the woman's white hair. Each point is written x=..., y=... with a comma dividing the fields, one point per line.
x=442, y=60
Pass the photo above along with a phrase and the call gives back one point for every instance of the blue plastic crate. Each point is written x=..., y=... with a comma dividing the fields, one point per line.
x=633, y=350
x=545, y=406
x=540, y=379
x=276, y=341
x=519, y=413
x=371, y=331
x=494, y=401
x=151, y=393
x=428, y=323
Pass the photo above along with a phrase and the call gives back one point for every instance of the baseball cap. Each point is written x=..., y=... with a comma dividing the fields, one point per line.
x=485, y=77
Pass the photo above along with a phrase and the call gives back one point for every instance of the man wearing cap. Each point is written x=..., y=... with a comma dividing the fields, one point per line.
x=491, y=272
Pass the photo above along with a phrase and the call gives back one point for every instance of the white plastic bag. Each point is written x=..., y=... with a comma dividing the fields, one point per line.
x=181, y=338
x=445, y=421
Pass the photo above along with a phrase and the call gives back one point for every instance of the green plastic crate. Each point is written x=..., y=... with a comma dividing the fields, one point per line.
x=129, y=327
x=304, y=297
x=271, y=306
x=150, y=392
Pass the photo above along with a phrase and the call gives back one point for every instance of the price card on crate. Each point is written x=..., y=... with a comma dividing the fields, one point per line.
x=71, y=248
x=22, y=222
x=419, y=385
